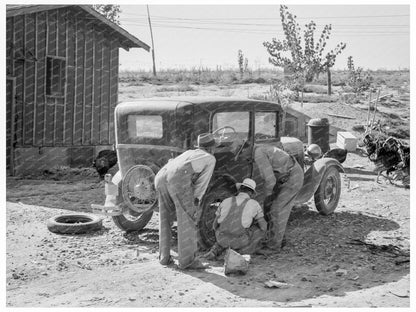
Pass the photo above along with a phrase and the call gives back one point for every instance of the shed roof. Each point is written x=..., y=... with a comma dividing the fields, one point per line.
x=127, y=39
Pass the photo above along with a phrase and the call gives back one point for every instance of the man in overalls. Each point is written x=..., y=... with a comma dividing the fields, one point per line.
x=283, y=179
x=181, y=183
x=234, y=222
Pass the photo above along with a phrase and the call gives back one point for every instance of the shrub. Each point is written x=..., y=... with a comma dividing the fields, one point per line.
x=357, y=79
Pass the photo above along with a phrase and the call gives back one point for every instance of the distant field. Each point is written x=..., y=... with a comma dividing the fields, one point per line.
x=391, y=79
x=393, y=110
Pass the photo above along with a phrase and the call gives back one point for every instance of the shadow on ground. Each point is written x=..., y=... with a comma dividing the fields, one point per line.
x=323, y=256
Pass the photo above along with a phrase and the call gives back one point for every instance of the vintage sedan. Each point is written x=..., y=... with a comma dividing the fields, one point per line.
x=151, y=131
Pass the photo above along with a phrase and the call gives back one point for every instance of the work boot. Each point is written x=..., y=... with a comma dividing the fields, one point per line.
x=167, y=261
x=212, y=254
x=196, y=264
x=284, y=242
x=265, y=251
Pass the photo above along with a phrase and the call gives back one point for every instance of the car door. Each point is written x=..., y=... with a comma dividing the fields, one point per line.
x=233, y=133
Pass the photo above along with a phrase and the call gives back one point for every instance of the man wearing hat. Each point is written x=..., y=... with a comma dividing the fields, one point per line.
x=283, y=179
x=181, y=184
x=239, y=223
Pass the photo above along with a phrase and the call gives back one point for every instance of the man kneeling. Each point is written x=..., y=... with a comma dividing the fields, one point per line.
x=239, y=222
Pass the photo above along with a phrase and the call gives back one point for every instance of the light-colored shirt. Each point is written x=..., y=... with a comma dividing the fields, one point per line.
x=203, y=164
x=251, y=211
x=271, y=159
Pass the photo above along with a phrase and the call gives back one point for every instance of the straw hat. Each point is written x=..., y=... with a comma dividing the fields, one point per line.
x=205, y=140
x=251, y=184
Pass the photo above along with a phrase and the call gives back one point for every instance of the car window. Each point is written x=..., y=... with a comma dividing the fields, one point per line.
x=145, y=126
x=240, y=121
x=265, y=125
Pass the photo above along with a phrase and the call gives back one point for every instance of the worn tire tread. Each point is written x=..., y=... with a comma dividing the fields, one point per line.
x=57, y=225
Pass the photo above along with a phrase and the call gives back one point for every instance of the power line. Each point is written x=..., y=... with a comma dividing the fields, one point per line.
x=270, y=18
x=353, y=31
x=270, y=25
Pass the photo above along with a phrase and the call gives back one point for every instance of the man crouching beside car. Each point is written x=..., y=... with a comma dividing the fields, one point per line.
x=239, y=223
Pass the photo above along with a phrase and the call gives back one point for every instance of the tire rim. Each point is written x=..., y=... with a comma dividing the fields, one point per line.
x=130, y=214
x=209, y=217
x=138, y=189
x=73, y=219
x=330, y=190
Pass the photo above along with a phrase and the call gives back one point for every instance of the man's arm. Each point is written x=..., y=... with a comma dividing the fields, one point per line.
x=204, y=176
x=215, y=224
x=258, y=215
x=262, y=223
x=266, y=170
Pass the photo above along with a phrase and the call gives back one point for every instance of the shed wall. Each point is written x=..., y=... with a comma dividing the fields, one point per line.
x=83, y=114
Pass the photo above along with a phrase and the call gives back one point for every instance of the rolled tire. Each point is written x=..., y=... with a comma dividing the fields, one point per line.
x=74, y=224
x=210, y=203
x=329, y=191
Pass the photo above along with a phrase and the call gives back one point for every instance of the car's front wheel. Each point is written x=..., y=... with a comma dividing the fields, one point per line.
x=329, y=191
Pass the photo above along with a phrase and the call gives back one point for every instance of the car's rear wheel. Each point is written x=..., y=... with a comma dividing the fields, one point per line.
x=209, y=206
x=329, y=191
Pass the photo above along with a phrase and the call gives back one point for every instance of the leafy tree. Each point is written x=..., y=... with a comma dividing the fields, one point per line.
x=307, y=61
x=110, y=11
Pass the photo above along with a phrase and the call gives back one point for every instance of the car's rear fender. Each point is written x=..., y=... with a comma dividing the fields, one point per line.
x=130, y=155
x=313, y=177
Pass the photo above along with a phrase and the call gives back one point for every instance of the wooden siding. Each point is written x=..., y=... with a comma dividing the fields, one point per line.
x=83, y=114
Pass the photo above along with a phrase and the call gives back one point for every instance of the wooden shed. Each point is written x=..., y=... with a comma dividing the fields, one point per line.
x=62, y=84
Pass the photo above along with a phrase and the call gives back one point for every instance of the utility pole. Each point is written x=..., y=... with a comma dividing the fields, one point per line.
x=153, y=47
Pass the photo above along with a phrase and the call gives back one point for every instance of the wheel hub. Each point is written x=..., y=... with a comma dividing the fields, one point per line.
x=142, y=189
x=329, y=190
x=138, y=188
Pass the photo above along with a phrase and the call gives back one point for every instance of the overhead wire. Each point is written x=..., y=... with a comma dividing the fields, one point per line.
x=270, y=18
x=258, y=28
x=240, y=30
x=270, y=25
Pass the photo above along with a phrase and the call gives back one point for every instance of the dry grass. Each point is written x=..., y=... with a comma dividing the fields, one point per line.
x=201, y=76
x=397, y=79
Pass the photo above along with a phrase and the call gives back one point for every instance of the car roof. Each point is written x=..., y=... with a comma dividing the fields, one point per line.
x=160, y=104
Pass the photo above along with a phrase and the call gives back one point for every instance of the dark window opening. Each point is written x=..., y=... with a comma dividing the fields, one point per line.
x=239, y=121
x=265, y=126
x=55, y=76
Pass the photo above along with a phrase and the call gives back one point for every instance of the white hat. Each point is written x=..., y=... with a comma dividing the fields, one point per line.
x=251, y=184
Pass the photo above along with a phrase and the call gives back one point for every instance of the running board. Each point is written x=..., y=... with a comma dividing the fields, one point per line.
x=106, y=210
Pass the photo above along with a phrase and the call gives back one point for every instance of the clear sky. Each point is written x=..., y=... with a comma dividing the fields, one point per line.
x=190, y=36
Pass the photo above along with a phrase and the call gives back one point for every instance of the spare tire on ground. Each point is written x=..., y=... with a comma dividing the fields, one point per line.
x=74, y=224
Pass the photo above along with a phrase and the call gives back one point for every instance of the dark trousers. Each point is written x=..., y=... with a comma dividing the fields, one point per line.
x=277, y=213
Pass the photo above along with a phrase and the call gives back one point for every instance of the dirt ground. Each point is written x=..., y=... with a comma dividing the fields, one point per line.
x=325, y=263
